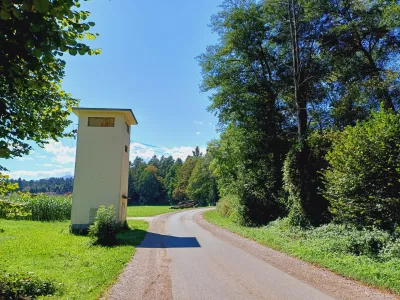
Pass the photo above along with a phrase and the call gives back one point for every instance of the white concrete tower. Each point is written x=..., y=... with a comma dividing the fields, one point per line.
x=102, y=163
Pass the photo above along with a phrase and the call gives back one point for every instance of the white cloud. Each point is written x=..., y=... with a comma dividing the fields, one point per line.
x=24, y=158
x=181, y=152
x=198, y=122
x=62, y=154
x=147, y=152
x=138, y=149
x=41, y=156
x=64, y=159
x=198, y=132
x=48, y=165
x=210, y=124
x=41, y=174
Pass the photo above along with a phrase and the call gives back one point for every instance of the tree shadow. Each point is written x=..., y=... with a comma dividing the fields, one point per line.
x=154, y=240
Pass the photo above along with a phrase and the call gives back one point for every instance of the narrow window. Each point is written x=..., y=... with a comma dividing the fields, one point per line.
x=126, y=148
x=127, y=127
x=100, y=122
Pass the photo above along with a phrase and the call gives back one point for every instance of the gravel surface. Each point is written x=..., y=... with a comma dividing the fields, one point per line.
x=185, y=257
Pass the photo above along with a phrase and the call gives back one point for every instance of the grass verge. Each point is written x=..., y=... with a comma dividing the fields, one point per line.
x=318, y=250
x=50, y=251
x=148, y=210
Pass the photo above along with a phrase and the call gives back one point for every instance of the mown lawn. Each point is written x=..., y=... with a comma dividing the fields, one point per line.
x=50, y=251
x=382, y=274
x=148, y=210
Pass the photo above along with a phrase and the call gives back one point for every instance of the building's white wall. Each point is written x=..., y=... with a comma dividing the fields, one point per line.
x=98, y=166
x=124, y=172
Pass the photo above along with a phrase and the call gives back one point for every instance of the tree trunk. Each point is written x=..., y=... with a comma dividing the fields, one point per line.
x=301, y=103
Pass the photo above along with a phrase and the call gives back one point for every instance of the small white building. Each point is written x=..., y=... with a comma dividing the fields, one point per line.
x=102, y=163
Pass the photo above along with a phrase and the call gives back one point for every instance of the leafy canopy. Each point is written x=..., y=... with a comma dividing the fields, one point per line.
x=34, y=35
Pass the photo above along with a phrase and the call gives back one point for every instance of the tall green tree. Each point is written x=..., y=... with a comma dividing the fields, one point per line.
x=298, y=26
x=154, y=161
x=165, y=164
x=136, y=168
x=171, y=179
x=196, y=152
x=202, y=186
x=183, y=176
x=34, y=35
x=151, y=189
x=243, y=70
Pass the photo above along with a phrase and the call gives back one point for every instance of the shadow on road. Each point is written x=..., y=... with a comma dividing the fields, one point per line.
x=155, y=240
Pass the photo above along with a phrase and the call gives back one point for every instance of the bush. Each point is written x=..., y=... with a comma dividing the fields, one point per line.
x=374, y=243
x=104, y=230
x=229, y=207
x=14, y=210
x=363, y=180
x=25, y=286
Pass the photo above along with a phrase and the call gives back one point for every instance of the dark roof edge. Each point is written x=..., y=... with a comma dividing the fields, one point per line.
x=112, y=109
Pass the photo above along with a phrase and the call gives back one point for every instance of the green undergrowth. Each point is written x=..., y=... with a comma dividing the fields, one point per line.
x=49, y=251
x=372, y=257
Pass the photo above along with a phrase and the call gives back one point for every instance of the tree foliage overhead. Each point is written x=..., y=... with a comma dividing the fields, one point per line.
x=34, y=35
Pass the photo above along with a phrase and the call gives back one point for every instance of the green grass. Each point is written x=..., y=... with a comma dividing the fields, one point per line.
x=148, y=210
x=318, y=250
x=50, y=251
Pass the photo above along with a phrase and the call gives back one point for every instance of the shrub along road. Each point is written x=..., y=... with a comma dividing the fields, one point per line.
x=184, y=257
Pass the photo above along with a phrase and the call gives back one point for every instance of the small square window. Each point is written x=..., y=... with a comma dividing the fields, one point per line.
x=100, y=122
x=126, y=148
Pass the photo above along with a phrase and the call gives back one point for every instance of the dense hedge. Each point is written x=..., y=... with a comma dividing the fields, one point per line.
x=363, y=180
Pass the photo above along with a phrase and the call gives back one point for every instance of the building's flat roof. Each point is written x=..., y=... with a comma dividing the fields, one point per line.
x=127, y=112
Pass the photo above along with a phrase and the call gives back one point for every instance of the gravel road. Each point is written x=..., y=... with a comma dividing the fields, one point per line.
x=185, y=258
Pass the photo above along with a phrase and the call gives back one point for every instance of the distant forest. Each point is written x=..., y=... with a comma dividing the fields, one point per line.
x=49, y=185
x=165, y=180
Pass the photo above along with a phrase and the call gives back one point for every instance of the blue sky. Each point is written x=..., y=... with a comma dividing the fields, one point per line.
x=147, y=64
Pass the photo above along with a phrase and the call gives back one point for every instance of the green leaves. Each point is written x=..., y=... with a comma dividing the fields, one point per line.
x=4, y=15
x=362, y=183
x=72, y=51
x=37, y=108
x=41, y=6
x=6, y=186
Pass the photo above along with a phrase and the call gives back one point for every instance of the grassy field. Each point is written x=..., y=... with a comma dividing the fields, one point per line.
x=319, y=250
x=148, y=210
x=50, y=251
